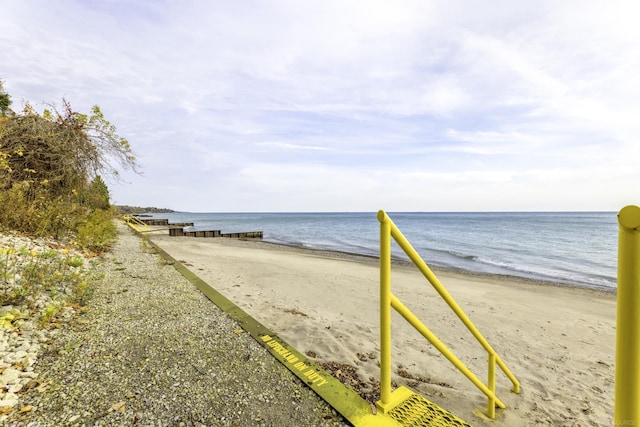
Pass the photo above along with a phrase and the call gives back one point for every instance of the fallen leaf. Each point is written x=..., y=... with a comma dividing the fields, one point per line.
x=119, y=407
x=43, y=387
x=5, y=410
x=26, y=409
x=32, y=384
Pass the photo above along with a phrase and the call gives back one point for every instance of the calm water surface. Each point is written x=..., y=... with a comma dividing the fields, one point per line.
x=574, y=248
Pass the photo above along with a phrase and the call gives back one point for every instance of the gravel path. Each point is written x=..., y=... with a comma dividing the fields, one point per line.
x=151, y=350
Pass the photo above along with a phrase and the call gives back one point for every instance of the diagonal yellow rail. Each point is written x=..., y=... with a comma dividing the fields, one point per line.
x=414, y=410
x=135, y=223
x=387, y=402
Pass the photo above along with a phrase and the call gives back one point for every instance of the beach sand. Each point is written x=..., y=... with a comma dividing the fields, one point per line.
x=558, y=341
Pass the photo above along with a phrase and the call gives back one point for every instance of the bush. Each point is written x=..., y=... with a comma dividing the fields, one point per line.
x=50, y=166
x=98, y=232
x=33, y=211
x=41, y=281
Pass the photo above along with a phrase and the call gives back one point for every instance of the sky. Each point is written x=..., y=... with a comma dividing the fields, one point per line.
x=339, y=106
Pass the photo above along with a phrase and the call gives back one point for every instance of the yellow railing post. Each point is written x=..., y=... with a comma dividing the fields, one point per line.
x=627, y=380
x=136, y=223
x=388, y=231
x=448, y=354
x=385, y=309
x=413, y=255
x=491, y=385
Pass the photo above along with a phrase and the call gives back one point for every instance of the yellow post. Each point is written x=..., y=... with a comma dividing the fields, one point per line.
x=491, y=384
x=385, y=309
x=402, y=241
x=627, y=386
x=442, y=348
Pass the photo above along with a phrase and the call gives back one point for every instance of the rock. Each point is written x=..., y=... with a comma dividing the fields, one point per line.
x=15, y=388
x=6, y=309
x=29, y=375
x=9, y=400
x=20, y=354
x=9, y=376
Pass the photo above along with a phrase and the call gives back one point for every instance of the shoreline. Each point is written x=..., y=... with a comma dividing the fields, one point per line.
x=559, y=341
x=559, y=258
x=360, y=257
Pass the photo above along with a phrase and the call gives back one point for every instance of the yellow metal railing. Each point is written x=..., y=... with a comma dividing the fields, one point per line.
x=135, y=223
x=387, y=300
x=627, y=380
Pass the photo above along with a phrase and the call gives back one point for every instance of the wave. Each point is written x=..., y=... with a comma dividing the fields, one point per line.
x=551, y=270
x=568, y=248
x=548, y=271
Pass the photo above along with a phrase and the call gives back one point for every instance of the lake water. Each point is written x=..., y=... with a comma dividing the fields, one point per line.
x=572, y=248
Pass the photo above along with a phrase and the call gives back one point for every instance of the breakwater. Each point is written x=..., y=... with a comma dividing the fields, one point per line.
x=181, y=229
x=573, y=248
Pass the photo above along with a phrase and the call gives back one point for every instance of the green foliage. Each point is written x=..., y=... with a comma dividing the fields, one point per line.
x=51, y=185
x=8, y=320
x=63, y=151
x=96, y=195
x=98, y=232
x=126, y=209
x=5, y=101
x=50, y=166
x=49, y=313
x=37, y=212
x=76, y=261
x=25, y=275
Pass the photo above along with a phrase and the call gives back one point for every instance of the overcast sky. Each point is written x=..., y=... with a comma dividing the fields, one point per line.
x=292, y=105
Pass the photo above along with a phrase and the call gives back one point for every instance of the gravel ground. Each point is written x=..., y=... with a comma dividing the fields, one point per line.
x=149, y=349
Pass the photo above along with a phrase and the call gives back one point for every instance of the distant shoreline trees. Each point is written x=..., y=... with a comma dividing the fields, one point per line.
x=125, y=209
x=52, y=164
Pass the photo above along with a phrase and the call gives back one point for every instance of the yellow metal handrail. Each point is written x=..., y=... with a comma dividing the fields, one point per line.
x=627, y=379
x=387, y=300
x=135, y=223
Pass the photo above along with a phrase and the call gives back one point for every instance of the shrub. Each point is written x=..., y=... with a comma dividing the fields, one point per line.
x=50, y=166
x=32, y=210
x=42, y=280
x=98, y=232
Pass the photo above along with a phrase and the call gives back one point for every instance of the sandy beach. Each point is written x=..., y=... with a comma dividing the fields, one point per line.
x=558, y=341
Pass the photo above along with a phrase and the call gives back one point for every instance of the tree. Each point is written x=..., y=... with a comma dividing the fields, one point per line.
x=51, y=168
x=97, y=195
x=64, y=151
x=5, y=101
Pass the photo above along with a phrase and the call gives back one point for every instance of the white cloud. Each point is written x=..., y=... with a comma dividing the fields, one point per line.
x=345, y=105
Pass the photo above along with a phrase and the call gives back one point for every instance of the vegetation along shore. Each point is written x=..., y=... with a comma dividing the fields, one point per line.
x=145, y=347
x=95, y=329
